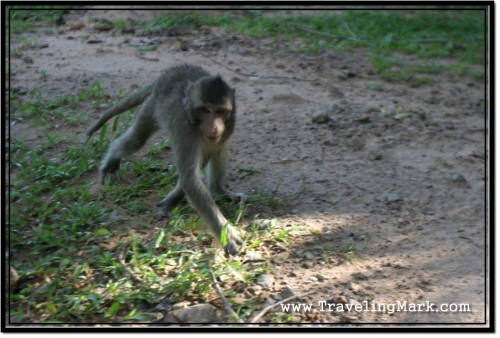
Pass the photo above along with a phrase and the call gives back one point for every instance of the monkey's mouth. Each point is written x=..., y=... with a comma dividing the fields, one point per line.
x=213, y=139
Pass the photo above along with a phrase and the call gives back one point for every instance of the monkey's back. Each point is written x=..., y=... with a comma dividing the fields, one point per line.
x=174, y=80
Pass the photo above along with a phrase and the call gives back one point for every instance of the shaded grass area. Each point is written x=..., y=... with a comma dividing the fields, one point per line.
x=457, y=34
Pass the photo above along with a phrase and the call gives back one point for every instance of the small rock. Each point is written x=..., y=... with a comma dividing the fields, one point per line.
x=389, y=113
x=360, y=275
x=332, y=108
x=76, y=26
x=320, y=277
x=41, y=45
x=164, y=305
x=199, y=313
x=181, y=305
x=375, y=157
x=393, y=197
x=281, y=257
x=356, y=288
x=403, y=116
x=308, y=255
x=456, y=177
x=265, y=224
x=288, y=292
x=479, y=154
x=320, y=117
x=255, y=288
x=331, y=143
x=365, y=110
x=253, y=256
x=341, y=299
x=27, y=59
x=265, y=280
x=307, y=265
x=335, y=92
x=103, y=26
x=312, y=279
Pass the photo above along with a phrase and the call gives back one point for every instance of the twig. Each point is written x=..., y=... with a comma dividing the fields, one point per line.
x=227, y=306
x=140, y=56
x=121, y=260
x=266, y=309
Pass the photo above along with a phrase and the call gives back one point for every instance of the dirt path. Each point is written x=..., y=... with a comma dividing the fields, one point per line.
x=391, y=185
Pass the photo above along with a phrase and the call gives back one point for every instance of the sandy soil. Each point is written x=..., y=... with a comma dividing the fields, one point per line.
x=423, y=146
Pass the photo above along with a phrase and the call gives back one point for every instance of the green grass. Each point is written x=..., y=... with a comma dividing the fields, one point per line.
x=86, y=254
x=387, y=35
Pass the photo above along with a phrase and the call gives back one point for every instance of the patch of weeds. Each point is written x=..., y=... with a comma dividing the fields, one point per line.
x=350, y=251
x=60, y=111
x=23, y=18
x=246, y=171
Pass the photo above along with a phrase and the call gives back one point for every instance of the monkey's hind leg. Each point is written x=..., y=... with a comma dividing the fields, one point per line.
x=171, y=200
x=128, y=143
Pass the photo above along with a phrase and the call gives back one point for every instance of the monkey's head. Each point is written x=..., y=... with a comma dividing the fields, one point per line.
x=211, y=107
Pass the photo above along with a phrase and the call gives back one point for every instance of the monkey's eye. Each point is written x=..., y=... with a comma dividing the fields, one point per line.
x=204, y=110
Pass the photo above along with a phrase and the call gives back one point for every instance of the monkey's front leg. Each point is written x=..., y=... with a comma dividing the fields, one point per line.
x=201, y=199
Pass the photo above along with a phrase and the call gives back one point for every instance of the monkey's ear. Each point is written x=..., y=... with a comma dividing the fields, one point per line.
x=189, y=87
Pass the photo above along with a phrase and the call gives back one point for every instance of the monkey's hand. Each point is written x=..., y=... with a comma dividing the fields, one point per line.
x=109, y=168
x=231, y=241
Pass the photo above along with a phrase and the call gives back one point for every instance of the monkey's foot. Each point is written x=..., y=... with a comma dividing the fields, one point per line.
x=233, y=241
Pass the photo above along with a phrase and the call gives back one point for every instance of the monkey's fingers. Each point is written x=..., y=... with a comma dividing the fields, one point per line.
x=233, y=241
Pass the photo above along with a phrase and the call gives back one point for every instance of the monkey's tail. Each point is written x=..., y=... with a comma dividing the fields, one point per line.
x=130, y=102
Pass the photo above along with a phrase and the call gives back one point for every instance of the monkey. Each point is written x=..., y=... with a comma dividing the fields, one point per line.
x=197, y=110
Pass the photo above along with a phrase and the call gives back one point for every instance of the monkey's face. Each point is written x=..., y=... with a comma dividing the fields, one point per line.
x=212, y=122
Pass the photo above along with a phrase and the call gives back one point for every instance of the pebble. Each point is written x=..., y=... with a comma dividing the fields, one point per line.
x=307, y=265
x=388, y=113
x=320, y=277
x=288, y=292
x=332, y=107
x=312, y=279
x=281, y=257
x=27, y=59
x=199, y=313
x=456, y=177
x=320, y=117
x=479, y=154
x=375, y=157
x=41, y=45
x=264, y=224
x=356, y=288
x=265, y=280
x=393, y=197
x=253, y=256
x=308, y=255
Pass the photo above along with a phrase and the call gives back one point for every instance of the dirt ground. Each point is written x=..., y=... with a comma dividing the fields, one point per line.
x=394, y=177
